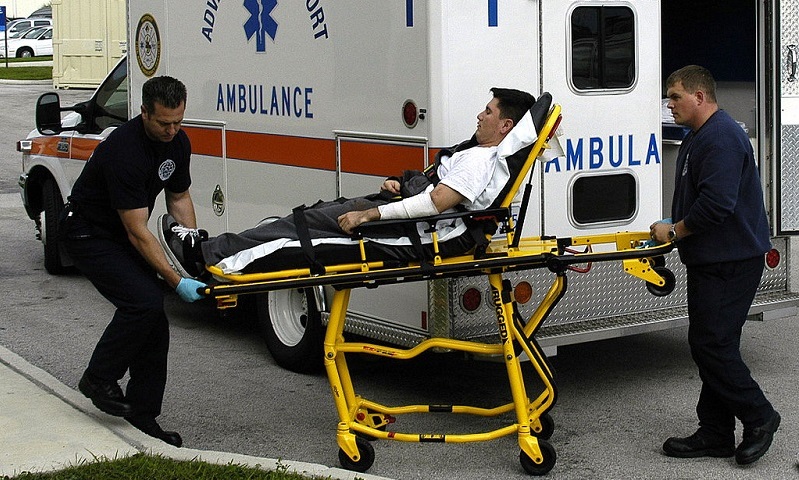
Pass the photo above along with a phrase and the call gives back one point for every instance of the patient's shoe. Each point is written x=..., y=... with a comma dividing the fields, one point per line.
x=182, y=246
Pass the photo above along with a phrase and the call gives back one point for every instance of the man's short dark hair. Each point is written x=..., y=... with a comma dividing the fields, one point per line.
x=513, y=103
x=166, y=91
x=694, y=78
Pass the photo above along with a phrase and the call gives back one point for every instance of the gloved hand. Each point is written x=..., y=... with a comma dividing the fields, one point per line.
x=187, y=289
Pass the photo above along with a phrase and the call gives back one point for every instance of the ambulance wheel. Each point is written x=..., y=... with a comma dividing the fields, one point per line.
x=55, y=261
x=549, y=458
x=547, y=427
x=666, y=289
x=366, y=452
x=292, y=327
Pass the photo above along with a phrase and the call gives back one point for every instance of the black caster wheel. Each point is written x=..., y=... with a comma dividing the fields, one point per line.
x=365, y=450
x=666, y=289
x=659, y=261
x=537, y=469
x=547, y=427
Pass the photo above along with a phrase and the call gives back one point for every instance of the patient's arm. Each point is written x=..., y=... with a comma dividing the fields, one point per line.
x=442, y=196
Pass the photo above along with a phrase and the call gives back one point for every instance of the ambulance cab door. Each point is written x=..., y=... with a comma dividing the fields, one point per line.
x=600, y=61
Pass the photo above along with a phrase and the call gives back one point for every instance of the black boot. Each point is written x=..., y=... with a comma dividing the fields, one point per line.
x=149, y=426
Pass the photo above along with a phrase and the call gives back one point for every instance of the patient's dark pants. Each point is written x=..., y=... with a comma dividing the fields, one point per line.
x=322, y=221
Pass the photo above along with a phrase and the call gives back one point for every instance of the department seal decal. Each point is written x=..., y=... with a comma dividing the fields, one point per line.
x=148, y=45
x=166, y=169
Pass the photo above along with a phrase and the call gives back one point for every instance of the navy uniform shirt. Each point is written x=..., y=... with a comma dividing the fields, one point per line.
x=127, y=171
x=718, y=195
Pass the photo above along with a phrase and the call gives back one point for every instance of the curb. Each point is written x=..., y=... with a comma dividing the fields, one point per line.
x=146, y=444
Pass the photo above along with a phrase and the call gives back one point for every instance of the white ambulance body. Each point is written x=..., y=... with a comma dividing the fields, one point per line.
x=292, y=102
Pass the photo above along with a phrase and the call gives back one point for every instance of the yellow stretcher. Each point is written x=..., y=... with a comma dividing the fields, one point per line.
x=360, y=418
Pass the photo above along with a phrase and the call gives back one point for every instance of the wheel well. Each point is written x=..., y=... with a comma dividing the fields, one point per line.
x=33, y=190
x=22, y=50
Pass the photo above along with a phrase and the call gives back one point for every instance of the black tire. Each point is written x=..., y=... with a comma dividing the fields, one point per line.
x=367, y=453
x=668, y=276
x=549, y=459
x=55, y=259
x=292, y=327
x=24, y=53
x=547, y=427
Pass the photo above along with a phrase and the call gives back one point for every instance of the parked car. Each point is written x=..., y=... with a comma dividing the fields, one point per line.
x=36, y=42
x=22, y=24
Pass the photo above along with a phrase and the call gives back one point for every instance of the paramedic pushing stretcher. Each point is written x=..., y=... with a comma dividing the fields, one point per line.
x=470, y=177
x=105, y=232
x=721, y=231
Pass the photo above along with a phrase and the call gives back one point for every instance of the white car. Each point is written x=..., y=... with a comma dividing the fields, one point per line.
x=16, y=27
x=36, y=42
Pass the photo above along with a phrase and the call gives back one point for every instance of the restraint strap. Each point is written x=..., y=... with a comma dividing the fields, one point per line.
x=304, y=236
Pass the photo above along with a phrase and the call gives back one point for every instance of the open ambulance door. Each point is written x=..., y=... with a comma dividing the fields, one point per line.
x=601, y=63
x=786, y=132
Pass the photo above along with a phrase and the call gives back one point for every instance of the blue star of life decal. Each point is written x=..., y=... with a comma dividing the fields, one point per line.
x=260, y=22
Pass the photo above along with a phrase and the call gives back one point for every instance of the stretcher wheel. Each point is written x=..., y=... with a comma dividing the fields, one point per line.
x=549, y=458
x=668, y=276
x=547, y=427
x=365, y=450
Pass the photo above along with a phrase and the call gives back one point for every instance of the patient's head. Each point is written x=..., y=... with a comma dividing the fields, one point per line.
x=504, y=111
x=513, y=103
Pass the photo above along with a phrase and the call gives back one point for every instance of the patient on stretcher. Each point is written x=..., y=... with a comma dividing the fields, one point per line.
x=473, y=175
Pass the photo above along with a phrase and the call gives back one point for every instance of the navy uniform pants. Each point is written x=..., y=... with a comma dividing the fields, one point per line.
x=719, y=298
x=137, y=338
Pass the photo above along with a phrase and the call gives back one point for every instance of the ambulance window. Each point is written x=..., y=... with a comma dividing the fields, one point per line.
x=112, y=99
x=603, y=47
x=603, y=198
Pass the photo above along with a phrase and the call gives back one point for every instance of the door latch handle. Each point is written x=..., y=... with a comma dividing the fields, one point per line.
x=793, y=53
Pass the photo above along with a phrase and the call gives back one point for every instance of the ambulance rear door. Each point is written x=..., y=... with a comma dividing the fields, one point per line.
x=601, y=63
x=787, y=117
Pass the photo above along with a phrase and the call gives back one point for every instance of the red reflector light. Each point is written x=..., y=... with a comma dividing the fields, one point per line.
x=471, y=299
x=772, y=258
x=410, y=114
x=523, y=292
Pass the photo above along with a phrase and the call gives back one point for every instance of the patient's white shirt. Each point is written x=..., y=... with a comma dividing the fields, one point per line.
x=476, y=174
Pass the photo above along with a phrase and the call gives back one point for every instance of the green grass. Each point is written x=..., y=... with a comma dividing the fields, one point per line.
x=25, y=73
x=150, y=467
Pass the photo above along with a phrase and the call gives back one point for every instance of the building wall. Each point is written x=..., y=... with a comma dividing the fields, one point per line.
x=22, y=8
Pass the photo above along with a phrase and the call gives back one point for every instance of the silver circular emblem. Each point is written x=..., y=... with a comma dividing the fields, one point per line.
x=148, y=45
x=166, y=170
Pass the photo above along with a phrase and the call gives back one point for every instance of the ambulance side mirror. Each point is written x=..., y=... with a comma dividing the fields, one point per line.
x=48, y=114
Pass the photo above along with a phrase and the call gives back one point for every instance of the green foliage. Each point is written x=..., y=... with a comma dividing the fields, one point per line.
x=17, y=71
x=149, y=467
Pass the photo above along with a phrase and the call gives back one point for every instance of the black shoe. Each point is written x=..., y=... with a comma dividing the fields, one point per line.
x=699, y=444
x=182, y=246
x=107, y=396
x=149, y=426
x=757, y=441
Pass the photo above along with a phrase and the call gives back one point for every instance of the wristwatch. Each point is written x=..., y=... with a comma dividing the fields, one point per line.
x=672, y=233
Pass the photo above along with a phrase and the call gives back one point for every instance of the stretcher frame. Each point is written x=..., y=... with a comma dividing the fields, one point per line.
x=361, y=419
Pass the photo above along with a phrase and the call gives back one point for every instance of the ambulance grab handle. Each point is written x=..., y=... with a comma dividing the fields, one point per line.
x=792, y=54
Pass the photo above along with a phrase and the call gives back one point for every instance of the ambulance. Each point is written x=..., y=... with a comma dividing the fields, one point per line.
x=292, y=102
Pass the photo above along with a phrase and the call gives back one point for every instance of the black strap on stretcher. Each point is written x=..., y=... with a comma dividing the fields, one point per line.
x=304, y=236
